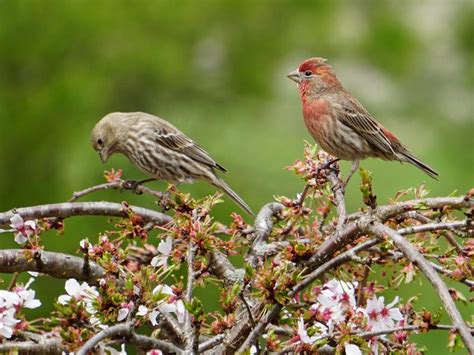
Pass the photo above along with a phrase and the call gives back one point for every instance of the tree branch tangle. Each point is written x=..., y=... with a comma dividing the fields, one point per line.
x=308, y=284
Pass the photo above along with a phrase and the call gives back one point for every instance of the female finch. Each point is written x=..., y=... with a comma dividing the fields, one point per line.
x=340, y=124
x=159, y=149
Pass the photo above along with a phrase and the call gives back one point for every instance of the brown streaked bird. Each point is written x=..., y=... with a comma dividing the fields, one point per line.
x=159, y=149
x=340, y=124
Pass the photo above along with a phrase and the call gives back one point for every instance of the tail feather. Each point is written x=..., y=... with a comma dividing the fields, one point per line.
x=221, y=184
x=419, y=164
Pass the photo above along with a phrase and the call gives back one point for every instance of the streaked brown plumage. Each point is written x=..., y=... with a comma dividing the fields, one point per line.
x=159, y=149
x=340, y=124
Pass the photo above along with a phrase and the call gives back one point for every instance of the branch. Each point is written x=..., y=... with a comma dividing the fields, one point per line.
x=339, y=199
x=430, y=227
x=59, y=265
x=44, y=345
x=190, y=330
x=263, y=228
x=117, y=184
x=389, y=211
x=69, y=209
x=125, y=330
x=210, y=343
x=412, y=254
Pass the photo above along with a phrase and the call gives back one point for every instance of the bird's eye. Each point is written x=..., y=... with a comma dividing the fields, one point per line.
x=308, y=73
x=100, y=142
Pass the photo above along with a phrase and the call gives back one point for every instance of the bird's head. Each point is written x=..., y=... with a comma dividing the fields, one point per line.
x=314, y=75
x=105, y=135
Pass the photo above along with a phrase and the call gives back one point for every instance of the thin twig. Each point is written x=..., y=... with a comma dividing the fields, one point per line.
x=125, y=330
x=379, y=229
x=210, y=343
x=117, y=184
x=190, y=331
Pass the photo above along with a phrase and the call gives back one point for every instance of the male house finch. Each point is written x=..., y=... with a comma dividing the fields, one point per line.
x=340, y=124
x=159, y=149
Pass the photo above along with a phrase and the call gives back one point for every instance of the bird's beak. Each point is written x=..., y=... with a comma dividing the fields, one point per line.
x=103, y=156
x=295, y=76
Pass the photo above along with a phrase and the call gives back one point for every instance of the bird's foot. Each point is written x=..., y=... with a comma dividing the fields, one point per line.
x=329, y=165
x=341, y=185
x=133, y=185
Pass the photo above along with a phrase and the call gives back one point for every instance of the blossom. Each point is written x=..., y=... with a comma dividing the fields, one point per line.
x=124, y=311
x=335, y=300
x=142, y=311
x=7, y=320
x=351, y=349
x=23, y=229
x=381, y=317
x=154, y=352
x=169, y=305
x=82, y=293
x=165, y=247
x=303, y=334
x=26, y=297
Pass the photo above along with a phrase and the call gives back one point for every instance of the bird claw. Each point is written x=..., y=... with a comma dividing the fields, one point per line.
x=340, y=185
x=329, y=166
x=133, y=186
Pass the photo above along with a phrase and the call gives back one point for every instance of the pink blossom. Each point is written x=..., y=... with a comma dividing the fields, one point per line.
x=381, y=317
x=23, y=229
x=334, y=300
x=154, y=352
x=26, y=297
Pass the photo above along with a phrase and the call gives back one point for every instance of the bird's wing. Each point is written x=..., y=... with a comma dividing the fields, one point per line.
x=177, y=141
x=355, y=116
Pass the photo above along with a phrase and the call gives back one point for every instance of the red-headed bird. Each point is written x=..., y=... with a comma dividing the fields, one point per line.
x=340, y=124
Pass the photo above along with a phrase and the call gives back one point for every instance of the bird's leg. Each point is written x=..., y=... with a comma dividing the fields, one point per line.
x=354, y=167
x=134, y=184
x=342, y=184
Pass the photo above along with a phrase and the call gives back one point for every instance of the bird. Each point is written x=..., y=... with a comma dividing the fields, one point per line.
x=339, y=123
x=159, y=149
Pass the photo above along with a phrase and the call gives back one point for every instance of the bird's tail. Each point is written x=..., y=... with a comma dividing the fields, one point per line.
x=221, y=184
x=419, y=164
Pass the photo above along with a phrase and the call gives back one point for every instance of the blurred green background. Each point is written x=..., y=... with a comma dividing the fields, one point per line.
x=217, y=70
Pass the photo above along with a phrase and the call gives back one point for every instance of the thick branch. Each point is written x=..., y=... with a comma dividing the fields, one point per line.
x=405, y=246
x=263, y=228
x=69, y=209
x=45, y=346
x=59, y=265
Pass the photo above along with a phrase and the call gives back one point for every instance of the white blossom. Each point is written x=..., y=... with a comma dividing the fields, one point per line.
x=26, y=296
x=381, y=317
x=82, y=293
x=142, y=311
x=164, y=248
x=168, y=305
x=23, y=229
x=303, y=334
x=336, y=298
x=7, y=320
x=351, y=349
